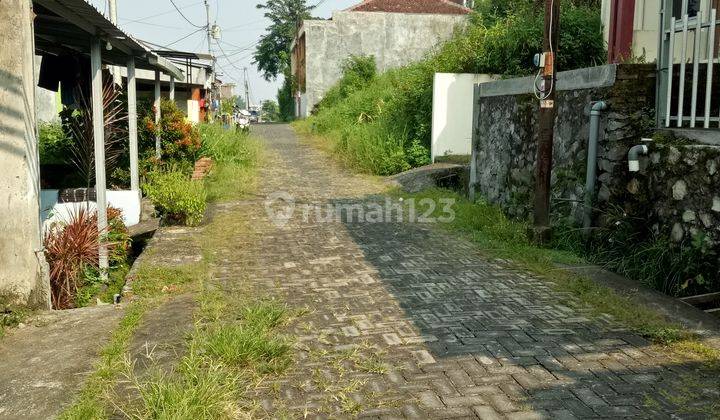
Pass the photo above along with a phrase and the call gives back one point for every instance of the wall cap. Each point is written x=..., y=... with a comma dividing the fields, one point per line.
x=585, y=78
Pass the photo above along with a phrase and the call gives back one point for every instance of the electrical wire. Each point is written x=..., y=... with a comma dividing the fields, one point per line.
x=226, y=57
x=185, y=17
x=158, y=14
x=159, y=26
x=244, y=24
x=167, y=46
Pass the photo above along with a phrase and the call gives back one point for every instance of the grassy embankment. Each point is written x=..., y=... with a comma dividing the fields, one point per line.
x=381, y=123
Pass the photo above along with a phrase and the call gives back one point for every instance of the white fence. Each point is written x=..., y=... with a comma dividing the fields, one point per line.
x=688, y=46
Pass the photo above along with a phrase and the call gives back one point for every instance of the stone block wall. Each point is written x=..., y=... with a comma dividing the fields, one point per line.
x=681, y=184
x=505, y=138
x=672, y=203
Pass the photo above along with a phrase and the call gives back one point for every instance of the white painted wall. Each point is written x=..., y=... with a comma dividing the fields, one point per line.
x=52, y=211
x=193, y=111
x=452, y=112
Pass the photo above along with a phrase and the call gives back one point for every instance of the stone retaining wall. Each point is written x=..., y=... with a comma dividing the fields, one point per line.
x=675, y=195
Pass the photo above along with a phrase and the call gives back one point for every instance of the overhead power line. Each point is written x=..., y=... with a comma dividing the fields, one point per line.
x=168, y=46
x=226, y=57
x=185, y=17
x=158, y=14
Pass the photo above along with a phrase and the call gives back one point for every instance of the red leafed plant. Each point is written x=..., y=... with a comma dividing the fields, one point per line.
x=68, y=250
x=72, y=247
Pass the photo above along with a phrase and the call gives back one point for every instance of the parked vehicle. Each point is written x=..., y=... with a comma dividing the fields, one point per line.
x=254, y=116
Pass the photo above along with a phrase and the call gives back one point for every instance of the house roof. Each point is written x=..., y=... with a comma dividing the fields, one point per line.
x=441, y=7
x=71, y=25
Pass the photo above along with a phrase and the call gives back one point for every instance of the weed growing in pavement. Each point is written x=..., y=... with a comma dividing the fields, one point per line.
x=229, y=350
x=154, y=284
x=200, y=388
x=91, y=401
x=9, y=318
x=250, y=341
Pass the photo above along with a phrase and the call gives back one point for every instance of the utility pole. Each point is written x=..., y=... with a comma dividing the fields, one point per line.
x=115, y=70
x=548, y=112
x=247, y=89
x=209, y=45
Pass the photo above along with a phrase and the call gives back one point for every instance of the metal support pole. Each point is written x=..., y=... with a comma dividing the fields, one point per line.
x=247, y=89
x=99, y=140
x=548, y=111
x=158, y=145
x=172, y=88
x=132, y=125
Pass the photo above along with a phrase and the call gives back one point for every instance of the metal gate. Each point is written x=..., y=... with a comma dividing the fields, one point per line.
x=687, y=95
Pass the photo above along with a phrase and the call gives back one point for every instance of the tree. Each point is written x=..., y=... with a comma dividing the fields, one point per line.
x=271, y=111
x=286, y=102
x=272, y=54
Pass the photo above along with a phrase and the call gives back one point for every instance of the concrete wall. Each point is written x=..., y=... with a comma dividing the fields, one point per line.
x=452, y=113
x=22, y=275
x=394, y=39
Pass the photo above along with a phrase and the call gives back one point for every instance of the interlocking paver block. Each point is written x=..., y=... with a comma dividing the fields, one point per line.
x=452, y=333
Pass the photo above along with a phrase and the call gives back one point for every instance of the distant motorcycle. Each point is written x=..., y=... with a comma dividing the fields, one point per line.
x=242, y=121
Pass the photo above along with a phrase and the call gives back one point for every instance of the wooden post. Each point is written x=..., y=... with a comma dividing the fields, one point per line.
x=172, y=88
x=99, y=139
x=132, y=125
x=548, y=110
x=158, y=145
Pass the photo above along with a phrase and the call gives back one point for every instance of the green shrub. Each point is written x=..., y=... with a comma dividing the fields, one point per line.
x=383, y=124
x=357, y=71
x=54, y=143
x=176, y=197
x=180, y=139
x=226, y=146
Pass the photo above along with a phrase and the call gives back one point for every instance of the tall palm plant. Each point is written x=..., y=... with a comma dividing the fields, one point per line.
x=80, y=125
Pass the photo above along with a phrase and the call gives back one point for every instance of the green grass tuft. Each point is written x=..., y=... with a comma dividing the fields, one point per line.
x=201, y=389
x=235, y=156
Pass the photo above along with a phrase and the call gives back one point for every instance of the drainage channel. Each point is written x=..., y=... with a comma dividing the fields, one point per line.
x=708, y=303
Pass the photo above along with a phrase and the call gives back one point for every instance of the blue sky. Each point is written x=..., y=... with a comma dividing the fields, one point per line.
x=241, y=22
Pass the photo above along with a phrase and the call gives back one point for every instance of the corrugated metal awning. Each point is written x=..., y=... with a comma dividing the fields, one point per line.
x=70, y=25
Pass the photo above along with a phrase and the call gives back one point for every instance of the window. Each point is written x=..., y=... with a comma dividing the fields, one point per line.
x=693, y=7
